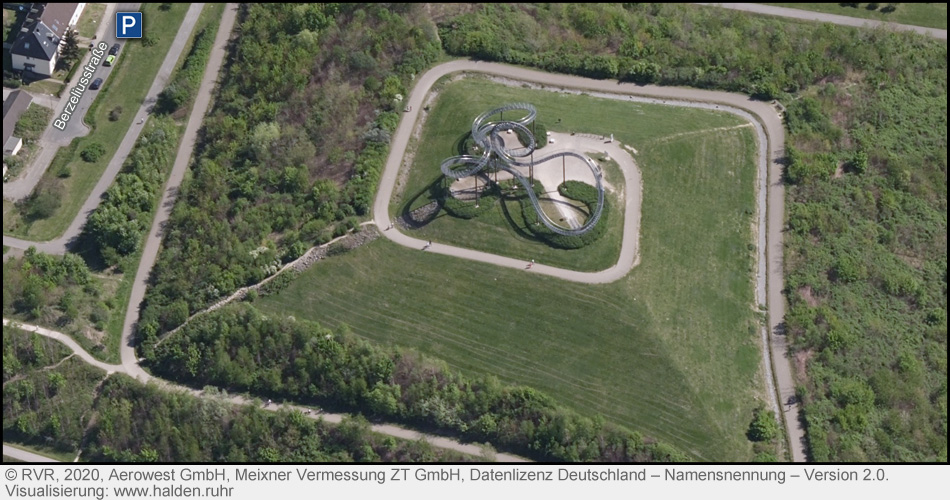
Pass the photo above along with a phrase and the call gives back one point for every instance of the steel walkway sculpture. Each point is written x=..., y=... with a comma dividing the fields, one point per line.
x=495, y=156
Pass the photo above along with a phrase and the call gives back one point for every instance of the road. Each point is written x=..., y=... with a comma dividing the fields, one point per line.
x=26, y=456
x=58, y=246
x=808, y=15
x=52, y=138
x=765, y=118
x=335, y=418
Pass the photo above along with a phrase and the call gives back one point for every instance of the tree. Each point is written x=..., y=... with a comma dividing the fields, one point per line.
x=70, y=50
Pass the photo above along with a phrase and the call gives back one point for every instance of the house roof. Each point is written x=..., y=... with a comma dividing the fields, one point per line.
x=42, y=31
x=13, y=107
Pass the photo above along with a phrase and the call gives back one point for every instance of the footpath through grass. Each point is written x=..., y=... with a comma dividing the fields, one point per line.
x=670, y=350
x=929, y=15
x=125, y=90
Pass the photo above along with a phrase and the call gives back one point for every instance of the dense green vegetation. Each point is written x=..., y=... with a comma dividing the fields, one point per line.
x=309, y=101
x=239, y=348
x=142, y=423
x=69, y=179
x=182, y=88
x=32, y=123
x=60, y=292
x=64, y=406
x=50, y=407
x=116, y=227
x=23, y=351
x=866, y=249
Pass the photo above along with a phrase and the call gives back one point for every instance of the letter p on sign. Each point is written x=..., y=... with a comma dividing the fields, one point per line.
x=128, y=25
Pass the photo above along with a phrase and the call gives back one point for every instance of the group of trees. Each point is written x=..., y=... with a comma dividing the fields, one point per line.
x=295, y=145
x=181, y=90
x=142, y=423
x=866, y=163
x=65, y=405
x=239, y=348
x=49, y=407
x=116, y=227
x=58, y=291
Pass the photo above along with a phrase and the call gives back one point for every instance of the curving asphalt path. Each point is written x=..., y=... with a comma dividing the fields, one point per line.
x=765, y=117
x=58, y=245
x=335, y=418
x=808, y=15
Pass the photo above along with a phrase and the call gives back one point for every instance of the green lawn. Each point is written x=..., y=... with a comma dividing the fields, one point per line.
x=126, y=88
x=502, y=230
x=669, y=350
x=91, y=19
x=11, y=21
x=930, y=15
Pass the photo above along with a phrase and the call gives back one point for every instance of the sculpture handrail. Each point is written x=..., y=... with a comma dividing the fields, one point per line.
x=486, y=134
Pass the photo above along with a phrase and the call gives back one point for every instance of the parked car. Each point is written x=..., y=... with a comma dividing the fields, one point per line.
x=96, y=84
x=114, y=50
x=110, y=60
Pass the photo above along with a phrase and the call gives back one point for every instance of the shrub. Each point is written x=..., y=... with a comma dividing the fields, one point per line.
x=763, y=426
x=115, y=114
x=92, y=152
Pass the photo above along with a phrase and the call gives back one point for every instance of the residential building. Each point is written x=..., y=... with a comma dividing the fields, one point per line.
x=36, y=48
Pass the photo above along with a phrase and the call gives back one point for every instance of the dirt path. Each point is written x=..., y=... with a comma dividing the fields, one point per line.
x=771, y=197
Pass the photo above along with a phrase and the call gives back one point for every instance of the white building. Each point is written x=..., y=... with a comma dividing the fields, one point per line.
x=36, y=48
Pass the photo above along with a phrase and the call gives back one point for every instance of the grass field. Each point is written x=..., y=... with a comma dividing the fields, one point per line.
x=502, y=230
x=90, y=19
x=125, y=88
x=930, y=15
x=669, y=350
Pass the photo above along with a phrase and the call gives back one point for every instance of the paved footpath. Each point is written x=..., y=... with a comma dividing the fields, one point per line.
x=808, y=15
x=26, y=456
x=764, y=115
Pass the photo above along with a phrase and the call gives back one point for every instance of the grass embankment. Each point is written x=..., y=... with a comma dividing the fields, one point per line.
x=502, y=230
x=670, y=350
x=930, y=15
x=125, y=90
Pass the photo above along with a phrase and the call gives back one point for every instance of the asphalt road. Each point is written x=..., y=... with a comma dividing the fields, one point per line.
x=52, y=138
x=765, y=116
x=24, y=455
x=59, y=245
x=808, y=15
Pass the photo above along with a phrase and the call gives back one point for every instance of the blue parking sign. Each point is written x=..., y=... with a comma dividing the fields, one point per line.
x=128, y=25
